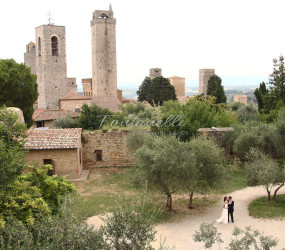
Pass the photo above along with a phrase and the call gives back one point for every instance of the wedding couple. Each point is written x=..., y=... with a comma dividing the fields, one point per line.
x=228, y=210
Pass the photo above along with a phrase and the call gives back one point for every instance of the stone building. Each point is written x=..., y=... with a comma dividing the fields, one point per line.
x=30, y=56
x=179, y=85
x=48, y=62
x=204, y=76
x=45, y=117
x=105, y=149
x=240, y=98
x=87, y=87
x=155, y=72
x=61, y=148
x=104, y=59
x=74, y=102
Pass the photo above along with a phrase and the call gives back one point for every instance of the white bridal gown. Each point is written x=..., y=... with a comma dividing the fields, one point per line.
x=224, y=216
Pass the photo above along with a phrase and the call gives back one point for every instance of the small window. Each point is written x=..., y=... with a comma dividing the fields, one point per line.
x=77, y=110
x=98, y=155
x=80, y=156
x=39, y=46
x=40, y=124
x=54, y=46
x=50, y=172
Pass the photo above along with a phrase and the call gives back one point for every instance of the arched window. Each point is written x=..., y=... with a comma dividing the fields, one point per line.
x=39, y=46
x=54, y=46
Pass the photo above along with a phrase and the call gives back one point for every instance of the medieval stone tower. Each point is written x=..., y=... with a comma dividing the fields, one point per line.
x=155, y=72
x=204, y=76
x=30, y=56
x=51, y=65
x=104, y=59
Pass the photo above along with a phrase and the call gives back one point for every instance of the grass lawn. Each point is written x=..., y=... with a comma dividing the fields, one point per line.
x=235, y=180
x=107, y=188
x=262, y=208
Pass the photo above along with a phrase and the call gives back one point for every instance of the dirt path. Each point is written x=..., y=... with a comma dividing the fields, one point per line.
x=180, y=234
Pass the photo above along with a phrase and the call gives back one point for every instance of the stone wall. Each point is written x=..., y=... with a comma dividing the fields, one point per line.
x=113, y=146
x=67, y=161
x=72, y=105
x=214, y=133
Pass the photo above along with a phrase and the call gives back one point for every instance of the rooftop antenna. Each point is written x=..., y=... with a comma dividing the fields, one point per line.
x=49, y=18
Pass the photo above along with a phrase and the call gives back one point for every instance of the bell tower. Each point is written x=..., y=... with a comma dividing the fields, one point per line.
x=104, y=59
x=51, y=65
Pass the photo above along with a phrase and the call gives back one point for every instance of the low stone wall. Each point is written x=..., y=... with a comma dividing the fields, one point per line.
x=214, y=133
x=113, y=146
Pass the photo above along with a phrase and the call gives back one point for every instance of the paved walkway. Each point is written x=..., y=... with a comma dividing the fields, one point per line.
x=180, y=234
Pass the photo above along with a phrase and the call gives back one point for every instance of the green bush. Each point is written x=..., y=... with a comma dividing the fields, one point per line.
x=65, y=122
x=52, y=188
x=23, y=201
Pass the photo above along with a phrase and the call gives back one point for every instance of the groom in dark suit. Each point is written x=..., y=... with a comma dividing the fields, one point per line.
x=231, y=209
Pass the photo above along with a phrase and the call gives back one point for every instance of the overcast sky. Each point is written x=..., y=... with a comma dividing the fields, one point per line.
x=237, y=38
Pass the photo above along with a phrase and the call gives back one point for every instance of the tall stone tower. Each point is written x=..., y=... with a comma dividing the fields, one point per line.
x=179, y=84
x=204, y=76
x=104, y=59
x=51, y=65
x=30, y=56
x=155, y=72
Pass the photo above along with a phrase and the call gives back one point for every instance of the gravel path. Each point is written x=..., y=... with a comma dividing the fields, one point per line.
x=180, y=234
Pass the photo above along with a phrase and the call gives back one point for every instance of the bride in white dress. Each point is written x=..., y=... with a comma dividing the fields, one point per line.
x=224, y=216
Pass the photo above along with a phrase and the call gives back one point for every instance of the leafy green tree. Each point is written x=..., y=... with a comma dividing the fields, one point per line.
x=18, y=87
x=22, y=201
x=261, y=93
x=215, y=88
x=51, y=188
x=159, y=161
x=198, y=112
x=92, y=117
x=209, y=235
x=247, y=113
x=203, y=167
x=129, y=227
x=277, y=80
x=65, y=122
x=262, y=170
x=143, y=89
x=159, y=91
x=252, y=134
x=243, y=239
x=12, y=153
x=272, y=99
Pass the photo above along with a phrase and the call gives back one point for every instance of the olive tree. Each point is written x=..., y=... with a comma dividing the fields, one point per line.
x=262, y=170
x=159, y=160
x=203, y=167
x=243, y=239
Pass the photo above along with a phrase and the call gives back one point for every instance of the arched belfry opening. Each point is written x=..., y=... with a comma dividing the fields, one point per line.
x=54, y=46
x=39, y=46
x=103, y=16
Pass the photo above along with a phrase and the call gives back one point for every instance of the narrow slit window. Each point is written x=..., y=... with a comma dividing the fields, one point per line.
x=39, y=46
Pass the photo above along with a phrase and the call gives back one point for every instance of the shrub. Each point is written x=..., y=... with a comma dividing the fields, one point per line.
x=52, y=188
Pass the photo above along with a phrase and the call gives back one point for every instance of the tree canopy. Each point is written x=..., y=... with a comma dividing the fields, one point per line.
x=271, y=99
x=143, y=89
x=156, y=91
x=18, y=87
x=215, y=88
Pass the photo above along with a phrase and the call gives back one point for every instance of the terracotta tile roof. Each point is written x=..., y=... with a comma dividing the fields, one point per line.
x=53, y=139
x=72, y=96
x=52, y=114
